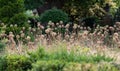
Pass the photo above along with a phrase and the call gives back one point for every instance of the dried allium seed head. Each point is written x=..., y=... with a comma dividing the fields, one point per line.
x=49, y=23
x=115, y=26
x=66, y=30
x=36, y=40
x=21, y=32
x=84, y=28
x=23, y=28
x=60, y=26
x=67, y=26
x=78, y=26
x=38, y=24
x=11, y=34
x=33, y=29
x=63, y=26
x=15, y=25
x=42, y=27
x=75, y=26
x=22, y=35
x=61, y=22
x=30, y=28
x=47, y=31
x=2, y=24
x=29, y=21
x=117, y=23
x=17, y=36
x=81, y=28
x=57, y=24
x=67, y=36
x=42, y=36
x=111, y=28
x=116, y=34
x=53, y=34
x=89, y=28
x=28, y=38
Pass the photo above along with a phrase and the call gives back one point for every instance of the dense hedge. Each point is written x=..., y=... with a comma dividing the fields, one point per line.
x=11, y=11
x=54, y=15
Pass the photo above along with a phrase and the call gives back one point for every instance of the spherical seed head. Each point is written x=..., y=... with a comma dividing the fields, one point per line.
x=23, y=28
x=117, y=23
x=15, y=25
x=67, y=26
x=38, y=24
x=30, y=28
x=29, y=21
x=21, y=32
x=115, y=34
x=11, y=25
x=22, y=35
x=61, y=22
x=57, y=24
x=75, y=26
x=17, y=36
x=28, y=37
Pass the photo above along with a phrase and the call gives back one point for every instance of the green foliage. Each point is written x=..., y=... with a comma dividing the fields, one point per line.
x=17, y=63
x=18, y=19
x=29, y=14
x=59, y=60
x=52, y=65
x=38, y=55
x=3, y=63
x=83, y=8
x=54, y=15
x=33, y=4
x=9, y=9
x=15, y=30
x=89, y=67
x=73, y=57
x=2, y=46
x=117, y=15
x=63, y=54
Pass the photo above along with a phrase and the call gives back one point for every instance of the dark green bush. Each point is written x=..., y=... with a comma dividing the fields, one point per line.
x=18, y=19
x=38, y=55
x=9, y=9
x=3, y=63
x=54, y=15
x=90, y=67
x=2, y=46
x=15, y=30
x=17, y=63
x=52, y=65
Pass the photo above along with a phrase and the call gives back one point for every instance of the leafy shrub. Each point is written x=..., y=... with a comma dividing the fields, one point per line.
x=19, y=19
x=89, y=67
x=52, y=65
x=74, y=57
x=9, y=8
x=38, y=55
x=117, y=15
x=15, y=30
x=3, y=63
x=2, y=46
x=17, y=63
x=54, y=15
x=63, y=54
